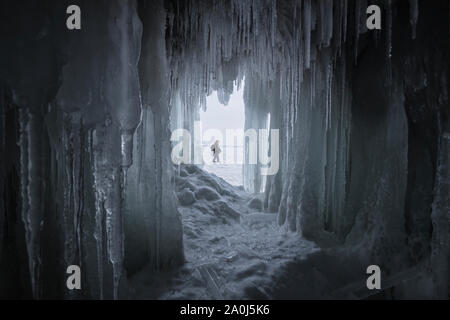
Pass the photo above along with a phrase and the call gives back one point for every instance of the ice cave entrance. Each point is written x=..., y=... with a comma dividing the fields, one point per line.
x=226, y=124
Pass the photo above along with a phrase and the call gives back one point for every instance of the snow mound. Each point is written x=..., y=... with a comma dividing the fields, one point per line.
x=232, y=251
x=255, y=203
x=186, y=197
x=222, y=208
x=207, y=193
x=198, y=177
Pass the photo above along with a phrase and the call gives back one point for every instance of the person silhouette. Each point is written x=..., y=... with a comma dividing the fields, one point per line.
x=216, y=150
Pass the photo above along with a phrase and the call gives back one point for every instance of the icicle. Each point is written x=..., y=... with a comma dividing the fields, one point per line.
x=322, y=24
x=313, y=15
x=313, y=84
x=389, y=43
x=171, y=17
x=344, y=15
x=30, y=158
x=99, y=205
x=114, y=230
x=363, y=14
x=389, y=30
x=249, y=22
x=2, y=119
x=329, y=92
x=327, y=97
x=413, y=16
x=274, y=21
x=24, y=167
x=328, y=20
x=307, y=32
x=357, y=30
x=127, y=148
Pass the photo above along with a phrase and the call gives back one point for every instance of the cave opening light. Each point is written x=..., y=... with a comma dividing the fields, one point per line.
x=226, y=124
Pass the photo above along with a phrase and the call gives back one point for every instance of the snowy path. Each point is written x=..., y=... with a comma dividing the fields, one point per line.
x=232, y=251
x=231, y=173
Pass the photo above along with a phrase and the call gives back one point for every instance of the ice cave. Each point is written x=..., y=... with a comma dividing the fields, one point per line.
x=224, y=121
x=87, y=178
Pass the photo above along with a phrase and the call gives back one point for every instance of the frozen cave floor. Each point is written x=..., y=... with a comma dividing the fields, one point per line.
x=232, y=249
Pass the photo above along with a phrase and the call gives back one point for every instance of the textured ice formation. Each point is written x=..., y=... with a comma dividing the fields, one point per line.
x=85, y=120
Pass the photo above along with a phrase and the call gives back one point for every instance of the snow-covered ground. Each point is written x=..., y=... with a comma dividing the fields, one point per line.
x=231, y=173
x=232, y=249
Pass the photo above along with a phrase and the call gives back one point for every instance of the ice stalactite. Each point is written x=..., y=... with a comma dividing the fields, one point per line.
x=107, y=177
x=358, y=126
x=72, y=165
x=112, y=83
x=77, y=124
x=286, y=46
x=440, y=218
x=31, y=196
x=150, y=200
x=307, y=32
x=389, y=40
x=306, y=50
x=429, y=126
x=274, y=183
x=326, y=14
x=414, y=16
x=27, y=83
x=256, y=111
x=357, y=28
x=123, y=97
x=98, y=219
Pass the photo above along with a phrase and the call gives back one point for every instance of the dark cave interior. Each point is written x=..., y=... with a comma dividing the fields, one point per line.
x=85, y=119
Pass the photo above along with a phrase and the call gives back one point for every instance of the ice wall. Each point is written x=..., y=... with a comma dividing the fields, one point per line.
x=85, y=118
x=150, y=193
x=361, y=113
x=26, y=84
x=256, y=112
x=73, y=100
x=100, y=84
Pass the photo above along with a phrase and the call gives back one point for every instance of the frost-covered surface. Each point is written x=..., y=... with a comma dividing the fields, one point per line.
x=231, y=250
x=81, y=100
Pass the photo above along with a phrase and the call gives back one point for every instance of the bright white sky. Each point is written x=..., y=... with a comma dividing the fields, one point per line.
x=218, y=116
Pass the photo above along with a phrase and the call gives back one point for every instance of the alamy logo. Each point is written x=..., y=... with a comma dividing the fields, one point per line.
x=73, y=22
x=260, y=146
x=374, y=281
x=374, y=20
x=74, y=280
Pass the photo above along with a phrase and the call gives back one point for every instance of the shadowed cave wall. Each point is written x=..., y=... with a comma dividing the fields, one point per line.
x=86, y=176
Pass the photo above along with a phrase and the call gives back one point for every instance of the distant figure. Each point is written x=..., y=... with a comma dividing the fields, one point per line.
x=216, y=150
